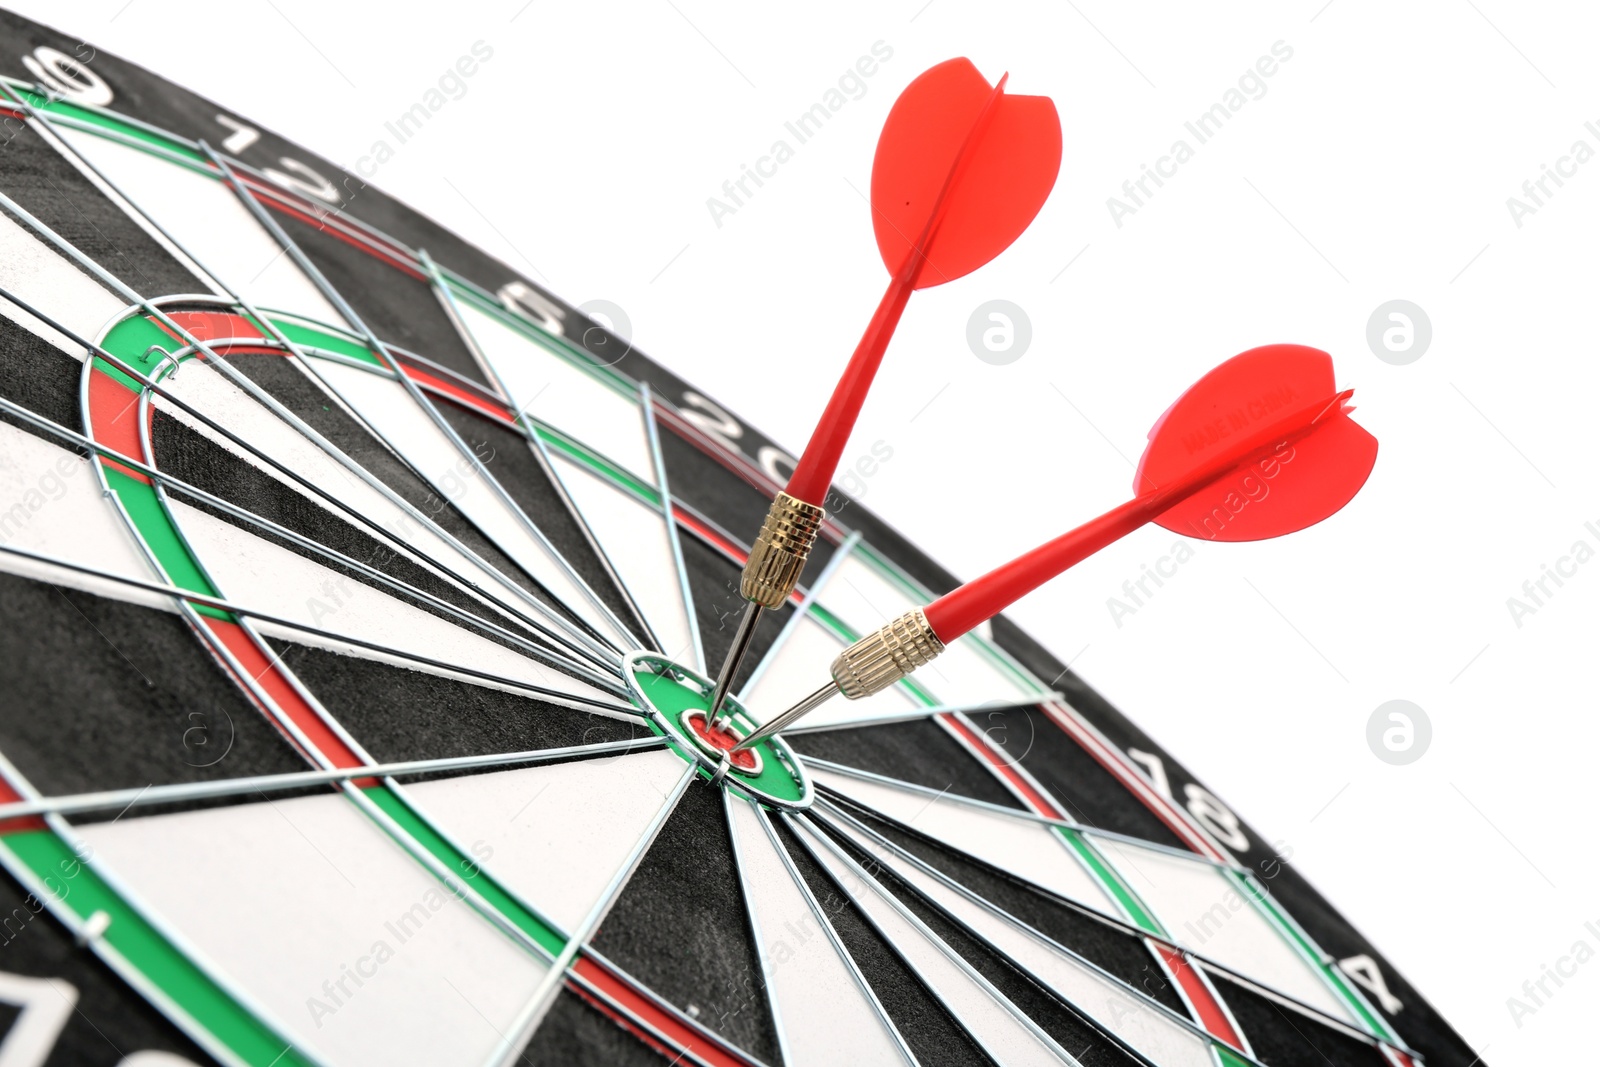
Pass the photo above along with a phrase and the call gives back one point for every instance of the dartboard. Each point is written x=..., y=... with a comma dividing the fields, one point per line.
x=354, y=592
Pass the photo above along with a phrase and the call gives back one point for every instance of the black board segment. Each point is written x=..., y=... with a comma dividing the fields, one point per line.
x=703, y=481
x=120, y=696
x=917, y=751
x=714, y=585
x=680, y=927
x=400, y=308
x=399, y=714
x=49, y=187
x=1284, y=1037
x=193, y=458
x=291, y=387
x=1074, y=778
x=575, y=1033
x=40, y=377
x=510, y=460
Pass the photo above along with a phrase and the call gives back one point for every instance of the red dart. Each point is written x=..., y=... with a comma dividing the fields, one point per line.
x=1261, y=446
x=961, y=170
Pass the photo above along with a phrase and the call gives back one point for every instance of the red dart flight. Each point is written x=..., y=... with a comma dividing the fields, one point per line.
x=961, y=170
x=1261, y=446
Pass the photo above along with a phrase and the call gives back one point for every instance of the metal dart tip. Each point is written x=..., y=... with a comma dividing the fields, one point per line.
x=785, y=720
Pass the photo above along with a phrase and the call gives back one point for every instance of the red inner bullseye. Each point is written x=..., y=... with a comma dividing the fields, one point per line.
x=722, y=739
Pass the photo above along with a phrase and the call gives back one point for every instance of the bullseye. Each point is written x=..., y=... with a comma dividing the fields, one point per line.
x=720, y=738
x=675, y=699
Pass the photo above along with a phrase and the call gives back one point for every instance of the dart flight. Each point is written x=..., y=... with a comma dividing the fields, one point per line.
x=1261, y=446
x=961, y=169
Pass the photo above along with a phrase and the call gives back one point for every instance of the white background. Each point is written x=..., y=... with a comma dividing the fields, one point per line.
x=1376, y=166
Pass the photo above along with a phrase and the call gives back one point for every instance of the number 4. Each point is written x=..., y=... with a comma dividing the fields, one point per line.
x=1363, y=971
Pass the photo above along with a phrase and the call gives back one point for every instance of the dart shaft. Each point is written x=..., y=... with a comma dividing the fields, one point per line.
x=814, y=473
x=981, y=599
x=730, y=664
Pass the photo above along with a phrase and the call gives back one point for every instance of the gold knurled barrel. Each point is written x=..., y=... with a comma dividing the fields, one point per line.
x=881, y=659
x=780, y=551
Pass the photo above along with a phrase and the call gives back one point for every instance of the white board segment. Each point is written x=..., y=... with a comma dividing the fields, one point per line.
x=1204, y=909
x=51, y=503
x=319, y=917
x=826, y=1016
x=254, y=572
x=36, y=273
x=800, y=665
x=207, y=218
x=391, y=411
x=865, y=598
x=208, y=391
x=546, y=386
x=556, y=834
x=633, y=536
